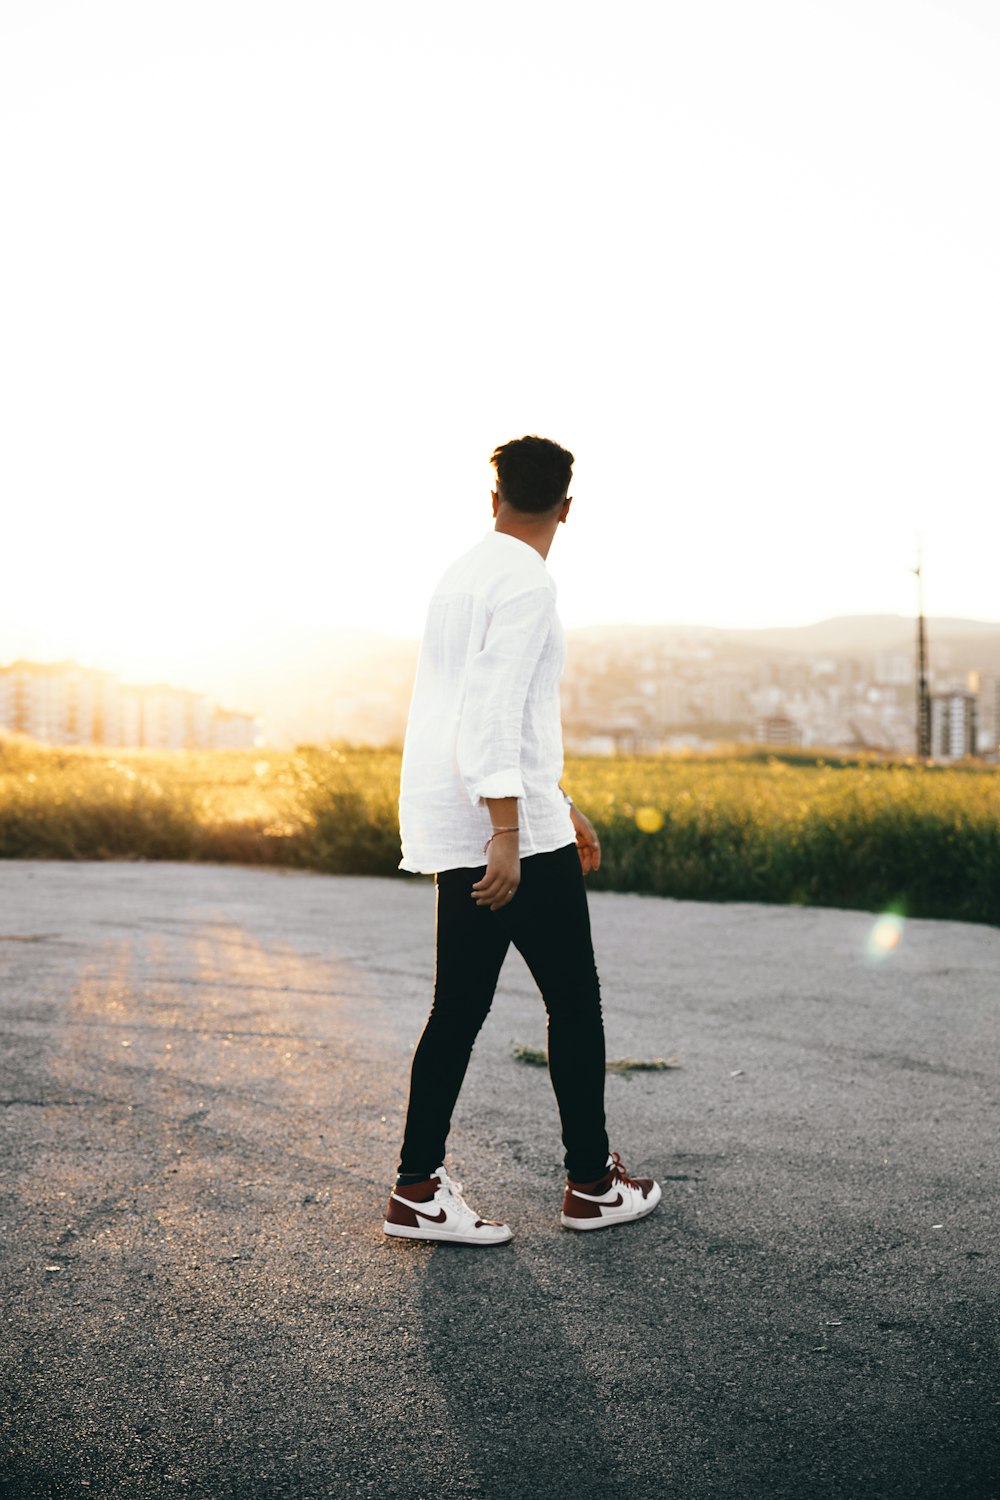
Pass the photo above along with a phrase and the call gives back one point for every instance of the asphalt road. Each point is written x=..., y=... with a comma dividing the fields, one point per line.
x=203, y=1080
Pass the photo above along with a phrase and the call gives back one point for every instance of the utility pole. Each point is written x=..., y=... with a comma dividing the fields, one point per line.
x=923, y=697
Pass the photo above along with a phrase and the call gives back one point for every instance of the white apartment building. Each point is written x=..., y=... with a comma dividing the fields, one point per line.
x=953, y=725
x=62, y=703
x=231, y=730
x=178, y=719
x=127, y=727
x=56, y=702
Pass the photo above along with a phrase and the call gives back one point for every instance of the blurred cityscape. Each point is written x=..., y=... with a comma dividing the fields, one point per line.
x=63, y=703
x=847, y=683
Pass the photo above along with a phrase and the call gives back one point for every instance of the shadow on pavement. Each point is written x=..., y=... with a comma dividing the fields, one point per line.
x=519, y=1395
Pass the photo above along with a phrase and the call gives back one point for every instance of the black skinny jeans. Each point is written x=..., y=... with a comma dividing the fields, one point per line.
x=549, y=924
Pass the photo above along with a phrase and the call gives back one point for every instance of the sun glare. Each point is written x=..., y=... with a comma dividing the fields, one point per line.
x=885, y=936
x=261, y=385
x=149, y=644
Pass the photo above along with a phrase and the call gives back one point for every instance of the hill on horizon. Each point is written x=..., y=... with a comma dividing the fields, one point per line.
x=836, y=634
x=265, y=647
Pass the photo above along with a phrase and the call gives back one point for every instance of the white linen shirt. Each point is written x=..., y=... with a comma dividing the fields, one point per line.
x=484, y=717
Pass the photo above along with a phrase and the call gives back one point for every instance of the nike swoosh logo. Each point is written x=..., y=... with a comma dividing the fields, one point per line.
x=600, y=1202
x=437, y=1218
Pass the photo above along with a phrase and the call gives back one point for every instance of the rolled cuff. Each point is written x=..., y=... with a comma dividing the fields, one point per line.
x=499, y=784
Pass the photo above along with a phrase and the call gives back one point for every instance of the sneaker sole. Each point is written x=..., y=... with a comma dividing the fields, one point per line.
x=403, y=1232
x=611, y=1220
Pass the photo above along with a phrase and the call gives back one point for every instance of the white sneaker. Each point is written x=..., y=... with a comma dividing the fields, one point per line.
x=615, y=1198
x=417, y=1213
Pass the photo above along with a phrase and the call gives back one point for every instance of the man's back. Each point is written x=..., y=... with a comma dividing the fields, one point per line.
x=484, y=717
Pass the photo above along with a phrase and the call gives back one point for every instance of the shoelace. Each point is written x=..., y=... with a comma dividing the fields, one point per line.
x=454, y=1191
x=619, y=1174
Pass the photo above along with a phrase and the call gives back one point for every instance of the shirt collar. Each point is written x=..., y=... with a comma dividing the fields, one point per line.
x=505, y=538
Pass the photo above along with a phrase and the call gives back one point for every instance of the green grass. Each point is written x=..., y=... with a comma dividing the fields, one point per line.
x=922, y=840
x=744, y=825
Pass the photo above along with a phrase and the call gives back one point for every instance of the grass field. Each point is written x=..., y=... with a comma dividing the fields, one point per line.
x=745, y=825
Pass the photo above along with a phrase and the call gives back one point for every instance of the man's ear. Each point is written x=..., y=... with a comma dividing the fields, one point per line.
x=496, y=502
x=566, y=505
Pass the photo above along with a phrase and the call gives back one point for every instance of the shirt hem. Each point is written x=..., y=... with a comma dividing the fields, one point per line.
x=465, y=862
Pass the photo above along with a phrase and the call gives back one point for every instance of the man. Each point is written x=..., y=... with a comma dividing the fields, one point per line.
x=482, y=760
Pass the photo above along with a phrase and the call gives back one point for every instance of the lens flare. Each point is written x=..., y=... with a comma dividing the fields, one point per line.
x=648, y=819
x=886, y=935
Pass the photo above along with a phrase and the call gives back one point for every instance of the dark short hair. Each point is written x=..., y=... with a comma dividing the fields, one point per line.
x=533, y=474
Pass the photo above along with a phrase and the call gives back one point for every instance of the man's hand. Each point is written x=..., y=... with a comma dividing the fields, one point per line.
x=503, y=873
x=588, y=845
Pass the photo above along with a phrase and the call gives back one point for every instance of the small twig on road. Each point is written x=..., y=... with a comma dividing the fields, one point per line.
x=536, y=1058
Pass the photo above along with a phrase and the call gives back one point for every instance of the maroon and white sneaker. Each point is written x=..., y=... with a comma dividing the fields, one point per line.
x=436, y=1210
x=615, y=1198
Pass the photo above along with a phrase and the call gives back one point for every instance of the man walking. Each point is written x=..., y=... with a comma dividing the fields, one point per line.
x=482, y=760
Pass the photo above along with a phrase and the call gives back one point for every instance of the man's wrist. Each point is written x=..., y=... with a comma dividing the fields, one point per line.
x=512, y=829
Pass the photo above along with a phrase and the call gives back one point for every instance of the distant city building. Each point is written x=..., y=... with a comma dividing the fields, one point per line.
x=632, y=692
x=953, y=725
x=56, y=701
x=63, y=703
x=164, y=718
x=232, y=730
x=590, y=744
x=892, y=669
x=777, y=729
x=672, y=701
x=726, y=698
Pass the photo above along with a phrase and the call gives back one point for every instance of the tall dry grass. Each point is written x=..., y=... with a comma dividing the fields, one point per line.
x=743, y=825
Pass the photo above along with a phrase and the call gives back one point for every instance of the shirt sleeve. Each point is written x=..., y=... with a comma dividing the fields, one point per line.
x=489, y=733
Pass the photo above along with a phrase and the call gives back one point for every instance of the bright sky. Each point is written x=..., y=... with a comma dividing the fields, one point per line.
x=276, y=278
